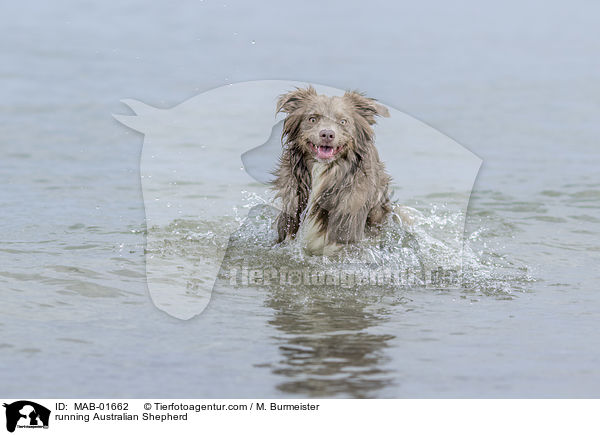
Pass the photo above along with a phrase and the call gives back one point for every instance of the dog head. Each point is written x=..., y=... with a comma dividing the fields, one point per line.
x=329, y=128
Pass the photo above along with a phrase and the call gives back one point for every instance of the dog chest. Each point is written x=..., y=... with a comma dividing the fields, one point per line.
x=311, y=234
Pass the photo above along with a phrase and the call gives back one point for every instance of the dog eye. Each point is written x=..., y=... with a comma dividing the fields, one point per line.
x=312, y=119
x=343, y=121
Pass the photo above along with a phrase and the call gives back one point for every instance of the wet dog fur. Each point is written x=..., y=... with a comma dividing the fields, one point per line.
x=330, y=180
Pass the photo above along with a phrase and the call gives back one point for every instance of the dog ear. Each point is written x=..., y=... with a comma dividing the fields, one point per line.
x=368, y=108
x=293, y=100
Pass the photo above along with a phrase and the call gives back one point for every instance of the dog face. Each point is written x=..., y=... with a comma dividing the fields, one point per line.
x=329, y=128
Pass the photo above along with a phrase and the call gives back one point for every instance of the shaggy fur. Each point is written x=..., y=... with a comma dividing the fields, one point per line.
x=332, y=185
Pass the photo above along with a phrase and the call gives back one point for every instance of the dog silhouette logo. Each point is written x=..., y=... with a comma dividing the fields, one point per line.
x=197, y=192
x=26, y=414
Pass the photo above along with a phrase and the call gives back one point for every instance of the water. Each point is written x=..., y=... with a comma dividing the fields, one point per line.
x=513, y=83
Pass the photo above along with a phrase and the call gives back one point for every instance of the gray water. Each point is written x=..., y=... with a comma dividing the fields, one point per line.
x=514, y=83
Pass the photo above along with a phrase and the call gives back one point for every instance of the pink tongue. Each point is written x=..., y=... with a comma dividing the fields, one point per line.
x=324, y=152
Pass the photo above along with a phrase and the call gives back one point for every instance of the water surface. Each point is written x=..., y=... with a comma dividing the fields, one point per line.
x=513, y=83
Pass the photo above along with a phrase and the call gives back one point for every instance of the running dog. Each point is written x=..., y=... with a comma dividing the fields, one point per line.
x=330, y=180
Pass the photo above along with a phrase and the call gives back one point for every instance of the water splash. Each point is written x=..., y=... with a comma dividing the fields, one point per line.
x=419, y=255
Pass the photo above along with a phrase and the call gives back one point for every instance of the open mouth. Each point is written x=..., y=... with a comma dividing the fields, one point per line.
x=326, y=152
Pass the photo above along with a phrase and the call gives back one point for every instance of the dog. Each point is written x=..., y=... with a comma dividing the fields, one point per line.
x=332, y=185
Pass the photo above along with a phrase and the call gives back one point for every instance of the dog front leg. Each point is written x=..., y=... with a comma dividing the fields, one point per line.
x=287, y=226
x=288, y=221
x=346, y=227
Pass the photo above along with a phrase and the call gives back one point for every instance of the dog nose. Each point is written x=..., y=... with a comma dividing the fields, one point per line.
x=327, y=135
